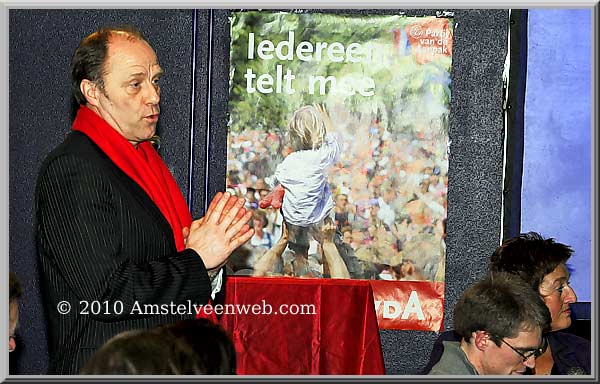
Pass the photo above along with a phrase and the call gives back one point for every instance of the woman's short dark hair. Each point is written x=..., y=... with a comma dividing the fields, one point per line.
x=501, y=304
x=89, y=59
x=530, y=256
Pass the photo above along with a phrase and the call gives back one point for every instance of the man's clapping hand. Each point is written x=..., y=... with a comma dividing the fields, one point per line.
x=223, y=229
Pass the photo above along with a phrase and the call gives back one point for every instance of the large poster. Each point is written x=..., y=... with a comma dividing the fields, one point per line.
x=338, y=138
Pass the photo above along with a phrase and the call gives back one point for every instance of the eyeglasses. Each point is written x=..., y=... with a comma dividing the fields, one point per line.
x=564, y=286
x=537, y=352
x=560, y=289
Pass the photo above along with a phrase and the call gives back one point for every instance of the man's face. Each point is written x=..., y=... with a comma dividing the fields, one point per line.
x=357, y=236
x=503, y=360
x=341, y=200
x=347, y=237
x=558, y=295
x=13, y=319
x=129, y=102
x=258, y=223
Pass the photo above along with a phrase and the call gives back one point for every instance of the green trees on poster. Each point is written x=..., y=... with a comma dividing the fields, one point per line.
x=283, y=60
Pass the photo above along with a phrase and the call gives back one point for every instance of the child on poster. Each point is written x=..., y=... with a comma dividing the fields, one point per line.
x=307, y=200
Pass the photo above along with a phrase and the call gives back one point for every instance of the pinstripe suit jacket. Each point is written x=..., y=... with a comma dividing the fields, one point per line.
x=101, y=238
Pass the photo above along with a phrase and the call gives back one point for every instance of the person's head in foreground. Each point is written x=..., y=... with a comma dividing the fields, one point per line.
x=214, y=352
x=140, y=352
x=543, y=264
x=500, y=320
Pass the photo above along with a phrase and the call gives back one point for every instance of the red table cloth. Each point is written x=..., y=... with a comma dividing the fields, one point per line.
x=316, y=326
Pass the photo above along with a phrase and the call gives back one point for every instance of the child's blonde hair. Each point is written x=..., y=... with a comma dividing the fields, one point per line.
x=306, y=129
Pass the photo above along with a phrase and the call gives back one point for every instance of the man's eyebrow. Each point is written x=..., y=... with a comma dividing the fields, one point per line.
x=159, y=72
x=137, y=74
x=527, y=349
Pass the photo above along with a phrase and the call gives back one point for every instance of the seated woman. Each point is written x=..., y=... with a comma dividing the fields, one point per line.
x=542, y=263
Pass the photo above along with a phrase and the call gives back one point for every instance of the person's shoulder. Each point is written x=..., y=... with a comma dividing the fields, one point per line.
x=448, y=335
x=571, y=353
x=448, y=360
x=75, y=145
x=451, y=343
x=569, y=339
x=297, y=155
x=292, y=162
x=76, y=154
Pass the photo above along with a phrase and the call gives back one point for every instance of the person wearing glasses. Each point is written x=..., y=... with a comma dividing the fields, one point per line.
x=542, y=263
x=500, y=322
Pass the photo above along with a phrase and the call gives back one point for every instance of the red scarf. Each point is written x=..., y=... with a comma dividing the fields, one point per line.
x=143, y=165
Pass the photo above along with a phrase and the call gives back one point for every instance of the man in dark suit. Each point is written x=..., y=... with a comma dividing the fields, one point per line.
x=117, y=246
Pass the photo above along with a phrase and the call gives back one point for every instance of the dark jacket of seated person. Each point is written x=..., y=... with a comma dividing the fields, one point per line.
x=571, y=353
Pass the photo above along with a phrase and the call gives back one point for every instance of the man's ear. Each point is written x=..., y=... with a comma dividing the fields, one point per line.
x=482, y=340
x=90, y=91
